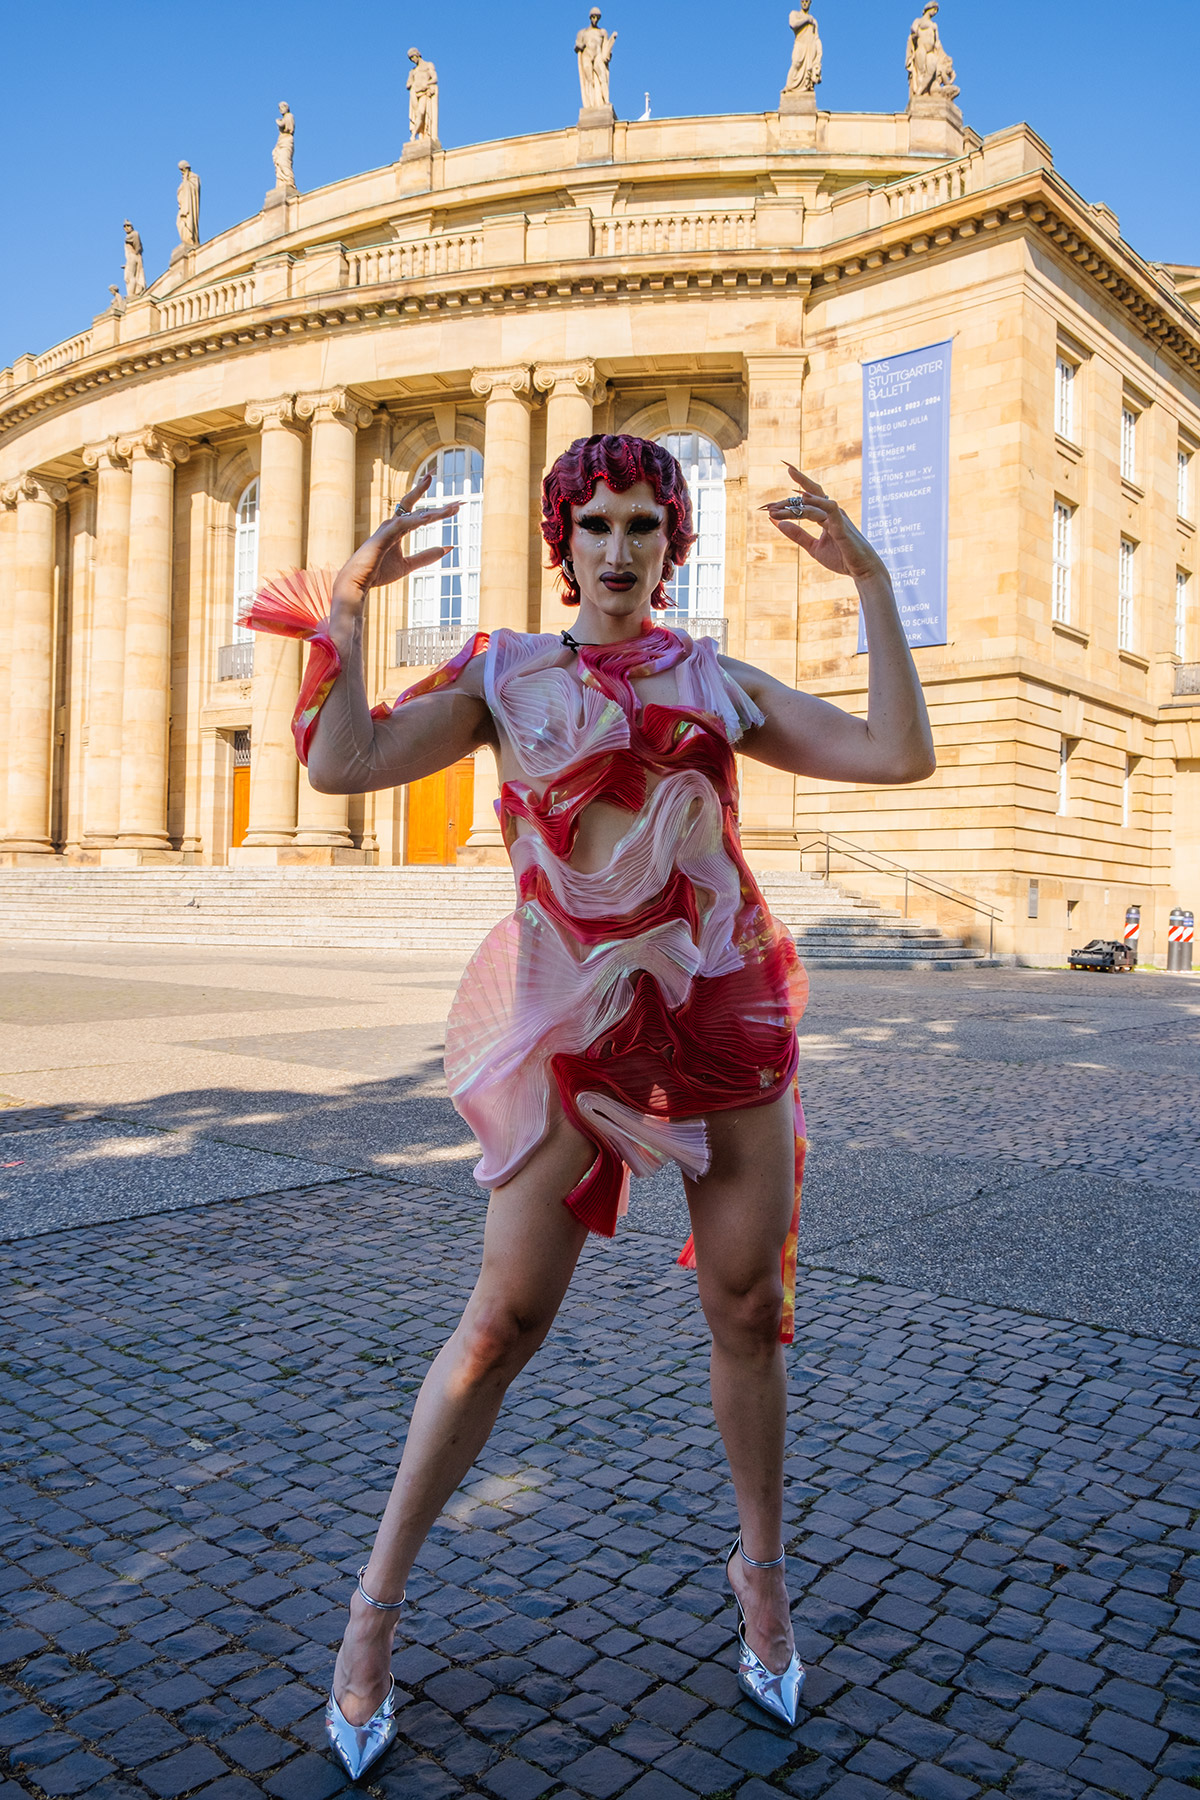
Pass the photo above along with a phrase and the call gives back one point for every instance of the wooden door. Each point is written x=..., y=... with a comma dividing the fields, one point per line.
x=241, y=805
x=438, y=820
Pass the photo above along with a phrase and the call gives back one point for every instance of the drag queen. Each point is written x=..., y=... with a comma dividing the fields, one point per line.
x=639, y=1005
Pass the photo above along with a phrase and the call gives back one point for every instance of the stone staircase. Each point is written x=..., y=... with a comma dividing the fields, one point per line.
x=416, y=909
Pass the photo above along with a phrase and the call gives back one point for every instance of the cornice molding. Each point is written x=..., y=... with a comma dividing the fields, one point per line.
x=153, y=445
x=270, y=414
x=33, y=486
x=513, y=381
x=1054, y=216
x=1037, y=203
x=340, y=403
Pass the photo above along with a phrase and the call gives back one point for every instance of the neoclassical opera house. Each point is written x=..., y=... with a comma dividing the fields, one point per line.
x=716, y=283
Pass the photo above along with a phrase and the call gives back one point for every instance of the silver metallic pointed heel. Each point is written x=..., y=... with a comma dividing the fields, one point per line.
x=776, y=1694
x=358, y=1747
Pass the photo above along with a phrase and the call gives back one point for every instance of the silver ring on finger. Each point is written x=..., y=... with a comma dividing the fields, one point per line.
x=795, y=504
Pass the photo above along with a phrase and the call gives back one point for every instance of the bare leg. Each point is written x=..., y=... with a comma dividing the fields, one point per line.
x=530, y=1248
x=741, y=1211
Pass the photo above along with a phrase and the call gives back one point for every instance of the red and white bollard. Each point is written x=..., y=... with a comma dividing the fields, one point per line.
x=1133, y=926
x=1180, y=932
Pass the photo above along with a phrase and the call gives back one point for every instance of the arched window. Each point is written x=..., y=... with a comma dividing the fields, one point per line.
x=245, y=559
x=447, y=594
x=698, y=587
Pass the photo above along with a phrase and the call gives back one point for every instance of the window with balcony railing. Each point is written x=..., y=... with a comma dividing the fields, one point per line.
x=245, y=560
x=446, y=596
x=1183, y=483
x=697, y=588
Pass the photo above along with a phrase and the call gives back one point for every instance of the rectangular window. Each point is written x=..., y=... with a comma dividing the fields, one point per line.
x=1184, y=481
x=1064, y=531
x=1125, y=595
x=1129, y=460
x=1064, y=398
x=1183, y=582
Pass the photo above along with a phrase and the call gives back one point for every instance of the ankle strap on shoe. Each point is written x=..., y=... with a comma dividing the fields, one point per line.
x=379, y=1605
x=754, y=1564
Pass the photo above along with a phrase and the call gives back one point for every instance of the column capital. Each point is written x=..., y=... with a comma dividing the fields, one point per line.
x=580, y=374
x=513, y=380
x=271, y=415
x=154, y=444
x=106, y=455
x=340, y=403
x=34, y=487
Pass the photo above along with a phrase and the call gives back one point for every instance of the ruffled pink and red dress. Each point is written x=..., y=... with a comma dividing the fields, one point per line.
x=646, y=994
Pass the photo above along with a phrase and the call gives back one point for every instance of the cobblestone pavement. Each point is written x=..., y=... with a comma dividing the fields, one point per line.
x=993, y=1522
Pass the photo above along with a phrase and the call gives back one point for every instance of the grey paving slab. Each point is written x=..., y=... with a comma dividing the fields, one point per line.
x=1111, y=1252
x=993, y=1523
x=381, y=1050
x=849, y=1192
x=55, y=1174
x=51, y=997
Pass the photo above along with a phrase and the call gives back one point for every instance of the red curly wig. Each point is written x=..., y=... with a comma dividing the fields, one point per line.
x=620, y=462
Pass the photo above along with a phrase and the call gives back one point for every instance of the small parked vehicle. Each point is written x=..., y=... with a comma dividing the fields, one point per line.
x=1107, y=956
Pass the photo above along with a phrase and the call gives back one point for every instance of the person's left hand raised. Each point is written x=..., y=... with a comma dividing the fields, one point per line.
x=382, y=559
x=841, y=546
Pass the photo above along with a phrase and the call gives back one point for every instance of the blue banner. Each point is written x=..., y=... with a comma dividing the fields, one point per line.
x=906, y=483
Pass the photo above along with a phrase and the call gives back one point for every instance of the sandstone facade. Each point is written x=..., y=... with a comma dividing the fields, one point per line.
x=723, y=277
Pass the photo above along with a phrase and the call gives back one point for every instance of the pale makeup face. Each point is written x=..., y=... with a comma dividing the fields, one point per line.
x=618, y=545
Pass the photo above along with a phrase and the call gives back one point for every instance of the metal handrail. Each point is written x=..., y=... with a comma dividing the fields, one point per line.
x=871, y=859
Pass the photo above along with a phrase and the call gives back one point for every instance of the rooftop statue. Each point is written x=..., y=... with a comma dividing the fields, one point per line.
x=285, y=148
x=930, y=71
x=594, y=49
x=135, y=269
x=422, y=87
x=187, y=201
x=805, y=71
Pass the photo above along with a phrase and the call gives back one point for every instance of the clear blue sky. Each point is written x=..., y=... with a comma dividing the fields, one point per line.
x=102, y=101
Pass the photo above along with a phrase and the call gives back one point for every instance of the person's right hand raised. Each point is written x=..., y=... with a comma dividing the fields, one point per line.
x=382, y=559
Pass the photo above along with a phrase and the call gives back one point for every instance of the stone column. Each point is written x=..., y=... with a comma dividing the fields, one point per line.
x=8, y=580
x=147, y=676
x=77, y=631
x=277, y=661
x=337, y=415
x=774, y=567
x=30, y=721
x=504, y=577
x=106, y=663
x=569, y=389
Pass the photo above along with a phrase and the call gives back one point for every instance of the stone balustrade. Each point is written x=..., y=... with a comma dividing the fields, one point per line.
x=443, y=253
x=214, y=302
x=670, y=232
x=64, y=353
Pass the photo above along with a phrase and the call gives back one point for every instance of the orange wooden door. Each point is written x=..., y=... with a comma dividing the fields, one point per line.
x=439, y=814
x=460, y=798
x=241, y=805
